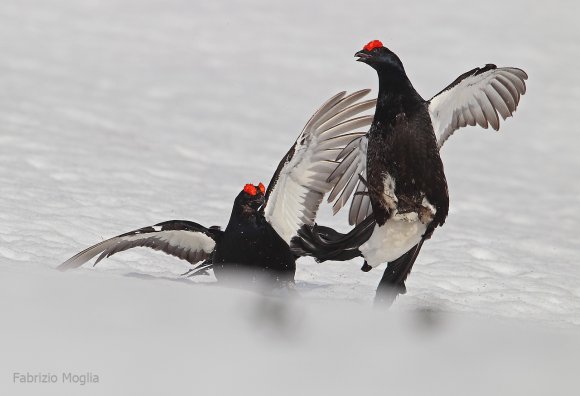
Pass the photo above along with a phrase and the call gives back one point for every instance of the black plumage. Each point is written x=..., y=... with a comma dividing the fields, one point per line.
x=395, y=171
x=402, y=145
x=248, y=248
x=251, y=246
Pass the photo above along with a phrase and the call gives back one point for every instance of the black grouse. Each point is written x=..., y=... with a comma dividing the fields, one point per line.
x=395, y=172
x=263, y=222
x=248, y=244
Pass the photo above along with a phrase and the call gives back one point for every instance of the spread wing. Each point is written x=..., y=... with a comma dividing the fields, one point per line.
x=183, y=239
x=300, y=181
x=476, y=97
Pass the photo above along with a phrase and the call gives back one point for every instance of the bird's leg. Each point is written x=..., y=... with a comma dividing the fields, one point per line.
x=393, y=281
x=428, y=232
x=388, y=292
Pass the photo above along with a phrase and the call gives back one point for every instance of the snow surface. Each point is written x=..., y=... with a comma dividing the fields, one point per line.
x=118, y=114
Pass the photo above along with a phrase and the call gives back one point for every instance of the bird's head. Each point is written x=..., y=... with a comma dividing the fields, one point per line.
x=379, y=57
x=251, y=197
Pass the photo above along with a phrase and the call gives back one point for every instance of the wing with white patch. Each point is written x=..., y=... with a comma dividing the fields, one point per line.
x=476, y=97
x=183, y=239
x=301, y=179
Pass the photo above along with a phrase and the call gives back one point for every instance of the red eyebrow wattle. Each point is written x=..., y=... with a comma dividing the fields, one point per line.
x=372, y=45
x=250, y=189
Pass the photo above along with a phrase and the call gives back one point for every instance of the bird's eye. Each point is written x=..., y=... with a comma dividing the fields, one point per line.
x=250, y=189
x=262, y=188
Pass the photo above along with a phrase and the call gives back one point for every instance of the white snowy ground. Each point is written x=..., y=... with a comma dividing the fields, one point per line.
x=118, y=114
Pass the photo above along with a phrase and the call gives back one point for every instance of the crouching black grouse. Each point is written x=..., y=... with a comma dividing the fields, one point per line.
x=395, y=170
x=263, y=222
x=248, y=246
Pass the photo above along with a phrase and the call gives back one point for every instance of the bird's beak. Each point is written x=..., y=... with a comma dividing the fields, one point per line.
x=362, y=56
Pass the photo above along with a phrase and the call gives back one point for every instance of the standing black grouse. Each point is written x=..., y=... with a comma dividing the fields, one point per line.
x=395, y=171
x=263, y=222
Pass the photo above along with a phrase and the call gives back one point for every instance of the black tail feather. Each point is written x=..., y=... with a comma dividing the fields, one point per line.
x=393, y=281
x=324, y=243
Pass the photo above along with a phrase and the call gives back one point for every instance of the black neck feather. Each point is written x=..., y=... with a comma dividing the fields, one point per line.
x=396, y=94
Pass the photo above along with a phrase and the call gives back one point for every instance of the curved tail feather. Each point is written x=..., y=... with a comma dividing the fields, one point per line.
x=325, y=243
